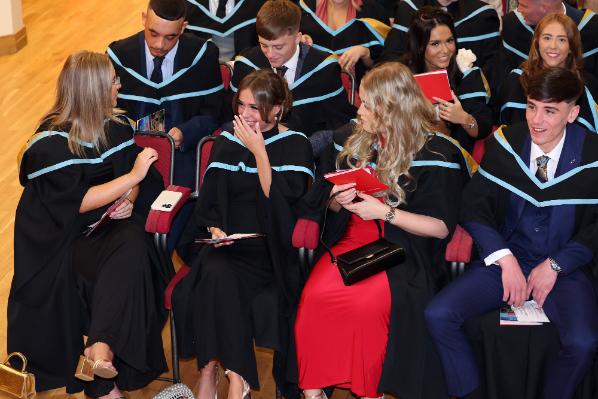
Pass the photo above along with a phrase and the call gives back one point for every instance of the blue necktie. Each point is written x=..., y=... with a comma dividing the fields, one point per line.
x=157, y=72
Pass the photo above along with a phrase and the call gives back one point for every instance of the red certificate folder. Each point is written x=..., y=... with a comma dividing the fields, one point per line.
x=435, y=84
x=365, y=181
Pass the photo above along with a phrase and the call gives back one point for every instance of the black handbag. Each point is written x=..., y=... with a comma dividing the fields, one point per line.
x=367, y=260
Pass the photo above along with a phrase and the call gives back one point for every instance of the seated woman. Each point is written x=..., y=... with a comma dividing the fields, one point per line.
x=432, y=45
x=68, y=283
x=253, y=179
x=556, y=43
x=352, y=29
x=370, y=337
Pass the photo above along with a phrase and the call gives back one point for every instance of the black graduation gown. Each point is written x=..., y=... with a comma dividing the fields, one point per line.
x=412, y=368
x=192, y=97
x=473, y=92
x=517, y=39
x=319, y=99
x=511, y=104
x=51, y=306
x=476, y=25
x=368, y=29
x=240, y=22
x=513, y=359
x=231, y=198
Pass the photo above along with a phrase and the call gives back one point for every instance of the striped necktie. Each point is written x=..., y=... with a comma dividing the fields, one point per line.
x=542, y=172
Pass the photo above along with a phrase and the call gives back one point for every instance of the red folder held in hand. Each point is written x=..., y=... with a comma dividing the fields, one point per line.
x=435, y=84
x=365, y=181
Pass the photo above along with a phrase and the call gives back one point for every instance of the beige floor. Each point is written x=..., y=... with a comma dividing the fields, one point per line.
x=27, y=83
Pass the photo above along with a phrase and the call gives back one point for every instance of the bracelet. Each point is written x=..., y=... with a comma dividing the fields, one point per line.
x=390, y=215
x=471, y=122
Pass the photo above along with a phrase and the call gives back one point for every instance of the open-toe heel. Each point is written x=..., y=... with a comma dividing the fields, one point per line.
x=246, y=388
x=320, y=395
x=88, y=369
x=84, y=370
x=104, y=369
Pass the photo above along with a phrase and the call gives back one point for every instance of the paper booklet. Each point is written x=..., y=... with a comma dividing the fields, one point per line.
x=105, y=216
x=365, y=181
x=530, y=314
x=232, y=237
x=435, y=84
x=153, y=122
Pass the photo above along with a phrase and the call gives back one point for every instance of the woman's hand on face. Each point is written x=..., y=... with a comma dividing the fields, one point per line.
x=346, y=193
x=217, y=233
x=452, y=112
x=252, y=139
x=123, y=211
x=350, y=57
x=370, y=208
x=142, y=163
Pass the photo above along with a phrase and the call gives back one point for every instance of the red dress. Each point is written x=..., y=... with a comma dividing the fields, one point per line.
x=341, y=331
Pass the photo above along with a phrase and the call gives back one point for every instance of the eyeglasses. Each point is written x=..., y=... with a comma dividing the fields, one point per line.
x=116, y=80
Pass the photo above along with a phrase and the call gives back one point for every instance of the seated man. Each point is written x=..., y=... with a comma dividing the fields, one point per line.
x=518, y=29
x=534, y=219
x=319, y=100
x=230, y=24
x=164, y=68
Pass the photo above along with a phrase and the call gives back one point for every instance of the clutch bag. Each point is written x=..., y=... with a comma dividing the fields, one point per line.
x=367, y=260
x=18, y=383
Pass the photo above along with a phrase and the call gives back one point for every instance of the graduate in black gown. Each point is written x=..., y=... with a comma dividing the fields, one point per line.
x=319, y=99
x=518, y=29
x=432, y=45
x=476, y=28
x=556, y=43
x=67, y=284
x=252, y=181
x=164, y=68
x=354, y=30
x=370, y=337
x=231, y=25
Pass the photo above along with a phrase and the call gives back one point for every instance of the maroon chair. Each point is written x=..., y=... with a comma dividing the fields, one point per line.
x=226, y=73
x=348, y=81
x=158, y=223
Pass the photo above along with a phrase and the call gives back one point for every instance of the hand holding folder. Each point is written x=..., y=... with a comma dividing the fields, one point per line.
x=364, y=181
x=435, y=84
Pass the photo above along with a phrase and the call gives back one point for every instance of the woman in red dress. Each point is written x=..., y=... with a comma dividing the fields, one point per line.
x=342, y=332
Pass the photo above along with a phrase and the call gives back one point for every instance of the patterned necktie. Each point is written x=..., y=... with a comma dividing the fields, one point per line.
x=281, y=70
x=157, y=72
x=221, y=10
x=542, y=172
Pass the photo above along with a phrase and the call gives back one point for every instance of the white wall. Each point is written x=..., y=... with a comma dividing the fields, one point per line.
x=11, y=17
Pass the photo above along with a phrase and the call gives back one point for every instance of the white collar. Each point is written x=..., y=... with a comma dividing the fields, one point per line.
x=292, y=62
x=554, y=154
x=169, y=56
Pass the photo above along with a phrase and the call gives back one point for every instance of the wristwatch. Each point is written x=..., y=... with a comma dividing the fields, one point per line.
x=554, y=266
x=470, y=124
x=390, y=215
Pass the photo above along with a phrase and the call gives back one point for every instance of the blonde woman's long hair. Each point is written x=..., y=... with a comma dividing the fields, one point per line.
x=83, y=100
x=403, y=116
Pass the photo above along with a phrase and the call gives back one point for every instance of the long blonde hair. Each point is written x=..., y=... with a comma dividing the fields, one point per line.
x=83, y=100
x=403, y=116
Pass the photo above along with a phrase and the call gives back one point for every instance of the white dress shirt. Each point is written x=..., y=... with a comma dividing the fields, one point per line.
x=553, y=162
x=167, y=64
x=291, y=64
x=230, y=4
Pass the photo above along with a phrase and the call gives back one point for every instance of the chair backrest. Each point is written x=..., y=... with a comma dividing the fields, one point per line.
x=204, y=148
x=349, y=84
x=164, y=145
x=226, y=72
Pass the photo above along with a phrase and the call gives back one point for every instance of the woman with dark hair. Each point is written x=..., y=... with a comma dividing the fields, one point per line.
x=370, y=337
x=431, y=46
x=69, y=283
x=556, y=43
x=253, y=179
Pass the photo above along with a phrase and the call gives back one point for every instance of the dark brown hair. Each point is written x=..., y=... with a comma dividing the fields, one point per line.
x=574, y=60
x=555, y=85
x=277, y=18
x=268, y=90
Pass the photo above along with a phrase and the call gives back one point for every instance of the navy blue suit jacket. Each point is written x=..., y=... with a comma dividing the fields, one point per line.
x=569, y=254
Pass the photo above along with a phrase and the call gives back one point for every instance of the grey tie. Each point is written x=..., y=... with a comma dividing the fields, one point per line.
x=542, y=172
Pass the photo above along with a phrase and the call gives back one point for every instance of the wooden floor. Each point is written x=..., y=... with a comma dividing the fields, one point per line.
x=27, y=83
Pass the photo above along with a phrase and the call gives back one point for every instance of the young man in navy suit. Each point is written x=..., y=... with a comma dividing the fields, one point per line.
x=532, y=211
